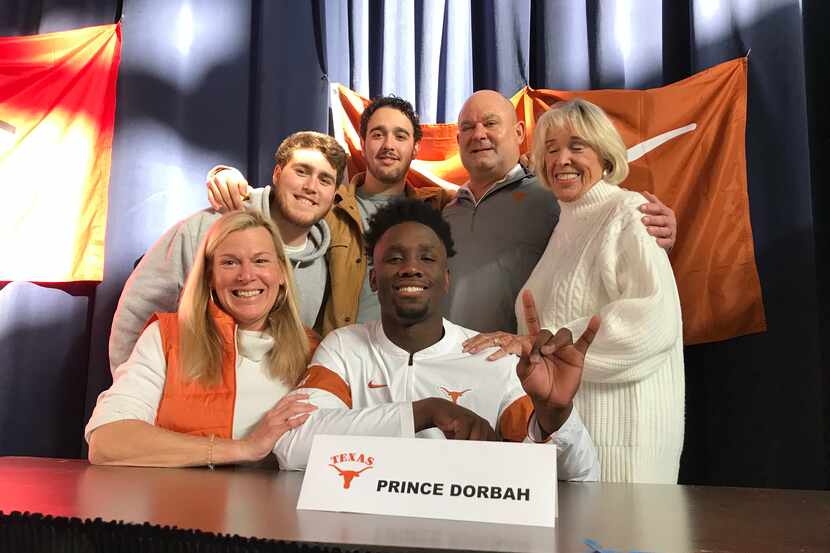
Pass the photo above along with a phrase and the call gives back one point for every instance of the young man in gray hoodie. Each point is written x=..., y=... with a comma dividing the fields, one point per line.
x=309, y=165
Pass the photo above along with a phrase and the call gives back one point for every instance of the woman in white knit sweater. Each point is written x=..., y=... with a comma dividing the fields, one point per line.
x=600, y=259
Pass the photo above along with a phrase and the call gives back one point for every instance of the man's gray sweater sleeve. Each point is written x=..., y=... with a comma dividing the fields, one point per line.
x=153, y=286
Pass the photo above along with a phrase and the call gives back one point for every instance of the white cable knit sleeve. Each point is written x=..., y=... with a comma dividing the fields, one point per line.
x=642, y=322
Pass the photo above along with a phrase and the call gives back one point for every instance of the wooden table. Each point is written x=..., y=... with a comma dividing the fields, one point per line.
x=259, y=503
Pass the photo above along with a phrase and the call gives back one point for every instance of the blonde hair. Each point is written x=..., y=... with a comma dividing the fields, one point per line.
x=200, y=342
x=592, y=125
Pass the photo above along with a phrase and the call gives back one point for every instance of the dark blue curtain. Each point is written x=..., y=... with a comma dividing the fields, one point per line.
x=210, y=81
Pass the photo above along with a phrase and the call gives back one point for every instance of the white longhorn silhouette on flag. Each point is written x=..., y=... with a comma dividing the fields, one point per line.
x=639, y=150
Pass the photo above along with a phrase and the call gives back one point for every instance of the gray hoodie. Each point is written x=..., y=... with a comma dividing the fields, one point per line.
x=157, y=281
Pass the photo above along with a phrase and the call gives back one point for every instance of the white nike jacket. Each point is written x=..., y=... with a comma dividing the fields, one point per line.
x=363, y=384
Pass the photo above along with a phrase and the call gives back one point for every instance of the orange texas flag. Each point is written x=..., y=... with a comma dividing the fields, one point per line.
x=57, y=110
x=686, y=145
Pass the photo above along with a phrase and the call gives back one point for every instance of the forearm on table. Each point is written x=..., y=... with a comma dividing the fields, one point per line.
x=389, y=419
x=137, y=443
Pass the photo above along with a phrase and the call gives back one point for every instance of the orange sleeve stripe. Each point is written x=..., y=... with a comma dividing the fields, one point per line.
x=325, y=379
x=514, y=420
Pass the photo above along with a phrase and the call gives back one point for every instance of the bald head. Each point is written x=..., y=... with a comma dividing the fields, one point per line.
x=489, y=100
x=489, y=136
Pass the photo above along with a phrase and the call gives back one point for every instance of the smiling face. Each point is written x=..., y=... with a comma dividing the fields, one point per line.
x=572, y=167
x=410, y=274
x=304, y=188
x=489, y=136
x=246, y=276
x=389, y=145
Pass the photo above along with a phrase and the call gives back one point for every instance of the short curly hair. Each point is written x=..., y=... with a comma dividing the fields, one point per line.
x=405, y=210
x=393, y=102
x=312, y=140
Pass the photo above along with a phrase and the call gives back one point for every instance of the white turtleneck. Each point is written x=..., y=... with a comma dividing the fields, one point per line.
x=600, y=260
x=139, y=382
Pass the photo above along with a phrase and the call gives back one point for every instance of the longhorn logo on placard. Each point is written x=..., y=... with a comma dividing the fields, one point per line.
x=357, y=463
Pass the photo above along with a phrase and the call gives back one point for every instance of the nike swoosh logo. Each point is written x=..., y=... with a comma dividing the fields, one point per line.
x=373, y=385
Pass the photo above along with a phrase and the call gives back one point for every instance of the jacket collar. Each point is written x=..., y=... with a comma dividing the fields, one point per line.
x=449, y=343
x=347, y=192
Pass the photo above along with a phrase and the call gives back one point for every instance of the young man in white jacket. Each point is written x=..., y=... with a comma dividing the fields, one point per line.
x=406, y=375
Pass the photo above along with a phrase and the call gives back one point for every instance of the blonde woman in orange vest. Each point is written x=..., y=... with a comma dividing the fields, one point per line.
x=208, y=385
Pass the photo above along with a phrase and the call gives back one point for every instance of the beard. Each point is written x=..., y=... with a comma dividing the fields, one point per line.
x=299, y=218
x=389, y=175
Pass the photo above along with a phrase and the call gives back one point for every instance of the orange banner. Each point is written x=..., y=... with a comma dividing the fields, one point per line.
x=57, y=111
x=686, y=145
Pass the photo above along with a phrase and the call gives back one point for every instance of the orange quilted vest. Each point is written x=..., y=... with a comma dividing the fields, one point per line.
x=186, y=405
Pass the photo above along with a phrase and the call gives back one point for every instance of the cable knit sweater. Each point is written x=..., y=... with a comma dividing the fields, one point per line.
x=600, y=260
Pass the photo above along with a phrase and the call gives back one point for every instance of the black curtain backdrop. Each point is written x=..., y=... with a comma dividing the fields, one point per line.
x=209, y=81
x=817, y=65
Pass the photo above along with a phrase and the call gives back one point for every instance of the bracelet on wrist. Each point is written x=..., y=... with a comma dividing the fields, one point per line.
x=210, y=464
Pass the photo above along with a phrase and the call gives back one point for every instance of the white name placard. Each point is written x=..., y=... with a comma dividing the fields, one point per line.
x=498, y=482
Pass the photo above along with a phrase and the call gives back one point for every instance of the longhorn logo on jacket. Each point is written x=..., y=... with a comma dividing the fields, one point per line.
x=453, y=394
